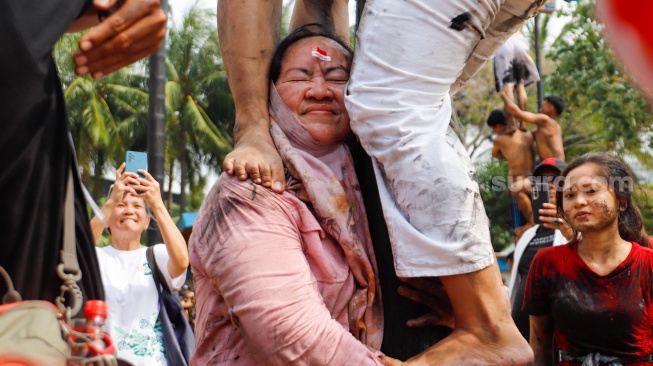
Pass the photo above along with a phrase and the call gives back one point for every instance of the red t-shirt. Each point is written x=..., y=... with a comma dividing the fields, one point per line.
x=610, y=314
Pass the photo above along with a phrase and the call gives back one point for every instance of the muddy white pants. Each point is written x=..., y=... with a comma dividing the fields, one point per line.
x=410, y=56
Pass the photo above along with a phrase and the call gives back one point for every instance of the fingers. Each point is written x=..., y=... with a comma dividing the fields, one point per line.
x=115, y=54
x=430, y=319
x=432, y=286
x=433, y=302
x=147, y=175
x=120, y=170
x=104, y=4
x=131, y=12
x=131, y=33
x=389, y=361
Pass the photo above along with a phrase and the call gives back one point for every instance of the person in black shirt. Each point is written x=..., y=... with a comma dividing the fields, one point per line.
x=550, y=232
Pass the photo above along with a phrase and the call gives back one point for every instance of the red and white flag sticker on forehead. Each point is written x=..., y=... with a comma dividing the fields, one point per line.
x=321, y=54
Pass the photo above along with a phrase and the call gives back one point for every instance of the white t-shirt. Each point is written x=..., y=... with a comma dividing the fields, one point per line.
x=133, y=302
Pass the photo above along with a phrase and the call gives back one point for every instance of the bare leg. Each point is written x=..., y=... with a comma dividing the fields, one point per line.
x=249, y=34
x=509, y=89
x=400, y=107
x=334, y=14
x=523, y=199
x=485, y=333
x=522, y=101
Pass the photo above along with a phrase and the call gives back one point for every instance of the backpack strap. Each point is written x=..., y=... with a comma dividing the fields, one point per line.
x=68, y=270
x=12, y=295
x=159, y=280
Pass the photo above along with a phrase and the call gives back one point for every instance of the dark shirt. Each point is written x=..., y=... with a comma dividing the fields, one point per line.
x=610, y=314
x=543, y=239
x=35, y=152
x=399, y=341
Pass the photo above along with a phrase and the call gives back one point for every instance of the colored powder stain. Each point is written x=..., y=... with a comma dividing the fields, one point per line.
x=459, y=22
x=637, y=13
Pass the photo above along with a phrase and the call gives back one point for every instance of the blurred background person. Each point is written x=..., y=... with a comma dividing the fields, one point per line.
x=550, y=232
x=131, y=294
x=594, y=296
x=514, y=70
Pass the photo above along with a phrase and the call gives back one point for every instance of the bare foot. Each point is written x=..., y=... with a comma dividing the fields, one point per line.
x=501, y=346
x=256, y=157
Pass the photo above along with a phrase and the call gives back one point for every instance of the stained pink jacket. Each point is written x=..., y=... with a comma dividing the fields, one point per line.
x=271, y=287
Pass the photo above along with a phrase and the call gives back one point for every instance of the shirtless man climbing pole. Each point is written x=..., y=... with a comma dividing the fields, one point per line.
x=548, y=134
x=516, y=146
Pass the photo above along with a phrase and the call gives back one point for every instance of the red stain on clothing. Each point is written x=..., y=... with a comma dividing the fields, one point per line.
x=610, y=314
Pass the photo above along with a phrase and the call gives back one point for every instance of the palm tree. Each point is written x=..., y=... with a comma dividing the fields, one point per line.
x=106, y=116
x=109, y=116
x=195, y=72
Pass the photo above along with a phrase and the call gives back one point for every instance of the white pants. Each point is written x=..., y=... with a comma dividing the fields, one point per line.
x=410, y=55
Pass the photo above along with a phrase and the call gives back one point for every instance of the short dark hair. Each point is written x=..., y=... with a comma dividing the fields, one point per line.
x=497, y=117
x=558, y=103
x=306, y=31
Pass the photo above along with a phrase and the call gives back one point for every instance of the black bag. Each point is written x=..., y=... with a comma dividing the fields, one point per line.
x=178, y=337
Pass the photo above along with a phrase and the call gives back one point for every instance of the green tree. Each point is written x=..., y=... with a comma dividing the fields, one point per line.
x=496, y=198
x=106, y=116
x=194, y=66
x=643, y=198
x=472, y=105
x=605, y=112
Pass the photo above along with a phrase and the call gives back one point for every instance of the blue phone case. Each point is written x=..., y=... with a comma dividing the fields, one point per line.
x=135, y=160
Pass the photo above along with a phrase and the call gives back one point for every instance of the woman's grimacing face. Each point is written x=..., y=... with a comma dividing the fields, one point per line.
x=588, y=200
x=314, y=89
x=129, y=215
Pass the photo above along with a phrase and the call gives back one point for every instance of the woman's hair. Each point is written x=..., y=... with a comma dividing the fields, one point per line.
x=621, y=181
x=306, y=31
x=148, y=210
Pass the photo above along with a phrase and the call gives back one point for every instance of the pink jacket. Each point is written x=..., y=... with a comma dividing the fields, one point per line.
x=271, y=286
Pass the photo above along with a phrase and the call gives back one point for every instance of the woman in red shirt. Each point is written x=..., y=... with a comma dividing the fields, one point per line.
x=593, y=295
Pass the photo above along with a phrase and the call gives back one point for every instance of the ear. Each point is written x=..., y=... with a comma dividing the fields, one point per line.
x=147, y=221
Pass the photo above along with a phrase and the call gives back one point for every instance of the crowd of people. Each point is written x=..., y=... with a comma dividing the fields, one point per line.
x=347, y=196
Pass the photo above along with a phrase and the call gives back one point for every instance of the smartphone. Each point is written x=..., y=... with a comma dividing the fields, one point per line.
x=136, y=160
x=539, y=196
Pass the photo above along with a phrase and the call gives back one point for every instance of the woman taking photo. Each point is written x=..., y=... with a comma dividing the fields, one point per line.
x=131, y=294
x=593, y=295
